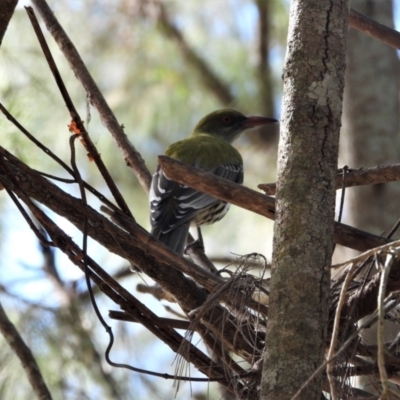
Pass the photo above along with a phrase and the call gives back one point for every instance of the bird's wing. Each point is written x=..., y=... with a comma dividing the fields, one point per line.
x=172, y=204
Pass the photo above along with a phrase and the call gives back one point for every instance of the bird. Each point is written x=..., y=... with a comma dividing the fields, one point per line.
x=174, y=207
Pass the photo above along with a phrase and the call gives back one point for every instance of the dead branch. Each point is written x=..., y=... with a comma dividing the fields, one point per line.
x=131, y=156
x=381, y=314
x=374, y=29
x=358, y=177
x=122, y=297
x=173, y=323
x=6, y=12
x=140, y=249
x=77, y=126
x=256, y=202
x=23, y=352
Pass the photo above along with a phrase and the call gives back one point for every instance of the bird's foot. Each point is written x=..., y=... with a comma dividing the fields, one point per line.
x=197, y=244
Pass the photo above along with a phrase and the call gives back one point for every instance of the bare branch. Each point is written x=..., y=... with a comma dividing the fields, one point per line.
x=264, y=71
x=131, y=156
x=335, y=333
x=381, y=314
x=173, y=323
x=256, y=202
x=386, y=248
x=122, y=297
x=77, y=127
x=355, y=177
x=140, y=249
x=372, y=28
x=23, y=352
x=7, y=8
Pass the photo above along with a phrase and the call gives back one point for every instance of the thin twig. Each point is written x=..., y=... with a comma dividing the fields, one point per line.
x=394, y=229
x=77, y=125
x=335, y=332
x=386, y=248
x=368, y=321
x=345, y=171
x=35, y=141
x=47, y=151
x=380, y=324
x=173, y=323
x=131, y=156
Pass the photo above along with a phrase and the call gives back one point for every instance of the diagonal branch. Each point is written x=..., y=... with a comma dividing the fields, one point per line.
x=24, y=353
x=131, y=156
x=127, y=301
x=139, y=248
x=122, y=297
x=256, y=202
x=373, y=28
x=7, y=8
x=77, y=126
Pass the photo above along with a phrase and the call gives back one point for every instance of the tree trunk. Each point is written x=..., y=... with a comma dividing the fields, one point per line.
x=370, y=136
x=370, y=133
x=312, y=105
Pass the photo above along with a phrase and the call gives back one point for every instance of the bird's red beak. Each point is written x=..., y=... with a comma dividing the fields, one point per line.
x=252, y=122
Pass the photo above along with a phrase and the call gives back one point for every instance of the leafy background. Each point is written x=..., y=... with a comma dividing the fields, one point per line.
x=158, y=96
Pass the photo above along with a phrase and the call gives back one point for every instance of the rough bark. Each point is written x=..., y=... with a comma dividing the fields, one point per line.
x=370, y=133
x=303, y=241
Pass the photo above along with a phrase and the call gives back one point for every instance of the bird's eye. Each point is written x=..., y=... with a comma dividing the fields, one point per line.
x=226, y=119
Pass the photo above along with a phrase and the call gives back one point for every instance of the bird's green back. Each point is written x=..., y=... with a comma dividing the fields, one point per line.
x=205, y=151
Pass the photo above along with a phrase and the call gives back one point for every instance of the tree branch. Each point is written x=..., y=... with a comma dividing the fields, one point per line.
x=7, y=8
x=263, y=68
x=121, y=296
x=137, y=246
x=256, y=202
x=374, y=29
x=355, y=177
x=131, y=156
x=23, y=352
x=77, y=126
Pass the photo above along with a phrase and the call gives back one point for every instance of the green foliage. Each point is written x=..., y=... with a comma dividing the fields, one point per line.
x=158, y=96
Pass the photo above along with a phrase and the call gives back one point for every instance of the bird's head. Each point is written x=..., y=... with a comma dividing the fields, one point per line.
x=229, y=124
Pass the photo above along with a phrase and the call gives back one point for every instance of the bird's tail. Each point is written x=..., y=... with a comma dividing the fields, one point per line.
x=174, y=239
